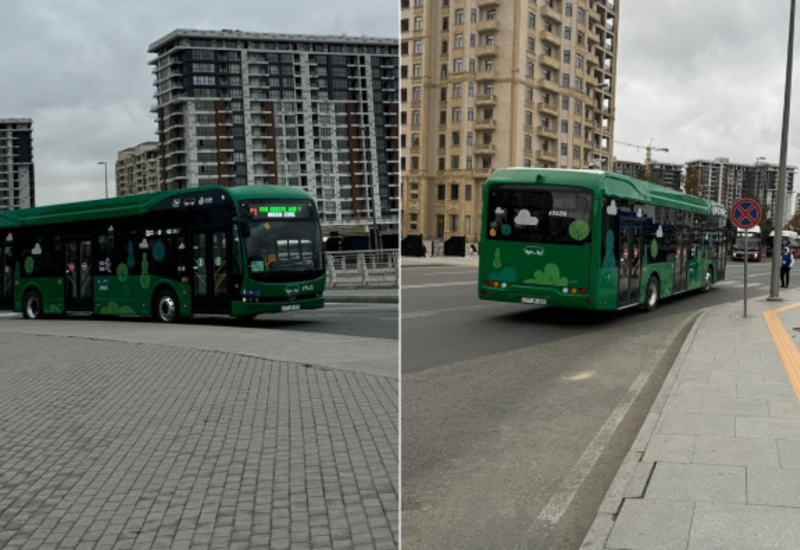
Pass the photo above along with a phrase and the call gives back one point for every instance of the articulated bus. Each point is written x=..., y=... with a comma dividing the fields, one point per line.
x=752, y=238
x=595, y=240
x=238, y=251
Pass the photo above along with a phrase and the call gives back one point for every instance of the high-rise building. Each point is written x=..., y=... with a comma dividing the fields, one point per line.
x=666, y=174
x=629, y=168
x=317, y=112
x=490, y=84
x=726, y=182
x=138, y=170
x=17, y=189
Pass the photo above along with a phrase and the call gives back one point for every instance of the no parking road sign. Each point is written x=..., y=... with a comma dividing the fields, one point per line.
x=746, y=214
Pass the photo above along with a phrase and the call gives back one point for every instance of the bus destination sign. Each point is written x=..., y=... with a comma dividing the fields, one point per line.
x=279, y=211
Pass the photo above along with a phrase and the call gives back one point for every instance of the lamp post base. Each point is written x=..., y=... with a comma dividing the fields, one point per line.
x=774, y=299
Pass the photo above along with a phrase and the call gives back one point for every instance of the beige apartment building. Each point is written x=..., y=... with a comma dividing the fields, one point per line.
x=138, y=170
x=489, y=84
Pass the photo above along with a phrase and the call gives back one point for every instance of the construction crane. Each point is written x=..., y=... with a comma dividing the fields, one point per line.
x=649, y=158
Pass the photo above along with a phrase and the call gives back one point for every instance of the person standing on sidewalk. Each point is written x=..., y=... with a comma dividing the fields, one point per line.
x=787, y=261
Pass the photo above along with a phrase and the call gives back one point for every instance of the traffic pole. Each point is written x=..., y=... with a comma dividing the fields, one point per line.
x=746, y=238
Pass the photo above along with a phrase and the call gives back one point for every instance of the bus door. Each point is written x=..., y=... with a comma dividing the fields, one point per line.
x=78, y=274
x=211, y=280
x=6, y=276
x=631, y=237
x=682, y=240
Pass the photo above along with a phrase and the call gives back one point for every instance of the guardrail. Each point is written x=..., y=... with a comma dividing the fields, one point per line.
x=363, y=269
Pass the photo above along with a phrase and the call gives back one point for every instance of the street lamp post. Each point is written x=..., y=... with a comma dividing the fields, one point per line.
x=105, y=164
x=774, y=293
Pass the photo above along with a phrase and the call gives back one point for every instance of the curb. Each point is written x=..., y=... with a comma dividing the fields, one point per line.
x=362, y=300
x=633, y=474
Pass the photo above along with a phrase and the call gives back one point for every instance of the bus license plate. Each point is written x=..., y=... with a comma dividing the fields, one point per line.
x=535, y=301
x=290, y=308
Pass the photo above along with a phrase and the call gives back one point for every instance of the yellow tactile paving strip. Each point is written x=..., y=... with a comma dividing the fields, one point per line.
x=790, y=356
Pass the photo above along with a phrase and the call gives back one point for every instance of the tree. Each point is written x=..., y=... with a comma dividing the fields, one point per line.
x=691, y=182
x=794, y=223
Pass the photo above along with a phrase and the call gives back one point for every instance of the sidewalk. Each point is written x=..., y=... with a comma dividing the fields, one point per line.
x=716, y=464
x=361, y=296
x=439, y=261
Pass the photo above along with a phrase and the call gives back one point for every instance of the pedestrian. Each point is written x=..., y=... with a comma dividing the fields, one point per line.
x=787, y=261
x=424, y=250
x=472, y=250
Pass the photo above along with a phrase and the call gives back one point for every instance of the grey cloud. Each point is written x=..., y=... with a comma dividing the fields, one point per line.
x=79, y=70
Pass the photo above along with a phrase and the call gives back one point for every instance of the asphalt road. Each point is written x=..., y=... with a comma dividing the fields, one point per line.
x=515, y=418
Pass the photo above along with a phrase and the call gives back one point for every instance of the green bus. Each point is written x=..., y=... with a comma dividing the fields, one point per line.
x=595, y=240
x=240, y=251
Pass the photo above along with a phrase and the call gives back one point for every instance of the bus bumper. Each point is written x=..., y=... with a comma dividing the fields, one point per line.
x=544, y=296
x=241, y=308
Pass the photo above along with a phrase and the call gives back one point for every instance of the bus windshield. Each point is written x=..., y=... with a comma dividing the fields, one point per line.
x=285, y=241
x=539, y=214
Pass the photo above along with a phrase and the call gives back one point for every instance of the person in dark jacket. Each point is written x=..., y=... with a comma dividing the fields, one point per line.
x=787, y=261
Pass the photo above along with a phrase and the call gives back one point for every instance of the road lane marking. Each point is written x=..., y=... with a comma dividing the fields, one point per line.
x=432, y=285
x=560, y=501
x=787, y=350
x=469, y=272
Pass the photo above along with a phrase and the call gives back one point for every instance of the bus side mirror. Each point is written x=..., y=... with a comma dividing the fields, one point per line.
x=245, y=229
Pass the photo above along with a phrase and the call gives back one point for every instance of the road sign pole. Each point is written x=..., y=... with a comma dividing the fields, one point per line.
x=746, y=238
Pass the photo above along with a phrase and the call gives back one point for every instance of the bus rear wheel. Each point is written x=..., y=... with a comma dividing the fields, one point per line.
x=709, y=280
x=32, y=305
x=166, y=307
x=651, y=295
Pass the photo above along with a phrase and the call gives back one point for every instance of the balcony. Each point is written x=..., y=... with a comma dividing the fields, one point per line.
x=549, y=61
x=485, y=149
x=486, y=101
x=548, y=85
x=482, y=172
x=551, y=14
x=547, y=132
x=486, y=51
x=488, y=26
x=486, y=75
x=546, y=156
x=550, y=38
x=594, y=16
x=486, y=124
x=547, y=108
x=488, y=3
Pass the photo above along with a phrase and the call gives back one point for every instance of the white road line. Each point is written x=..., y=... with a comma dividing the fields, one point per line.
x=561, y=500
x=430, y=312
x=470, y=272
x=432, y=285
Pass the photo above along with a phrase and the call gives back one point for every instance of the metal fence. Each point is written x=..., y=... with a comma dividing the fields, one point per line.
x=363, y=269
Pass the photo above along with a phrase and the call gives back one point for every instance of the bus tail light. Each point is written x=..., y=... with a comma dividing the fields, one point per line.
x=488, y=282
x=588, y=301
x=583, y=291
x=574, y=290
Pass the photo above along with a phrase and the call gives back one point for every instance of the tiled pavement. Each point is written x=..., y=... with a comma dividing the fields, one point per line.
x=717, y=462
x=107, y=445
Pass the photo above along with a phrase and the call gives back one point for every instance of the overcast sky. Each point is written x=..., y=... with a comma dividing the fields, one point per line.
x=705, y=79
x=79, y=69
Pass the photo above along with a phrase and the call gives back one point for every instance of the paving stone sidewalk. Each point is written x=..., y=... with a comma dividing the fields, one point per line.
x=717, y=462
x=111, y=445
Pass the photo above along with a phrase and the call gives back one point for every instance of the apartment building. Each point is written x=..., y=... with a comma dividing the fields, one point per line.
x=726, y=182
x=17, y=183
x=318, y=112
x=489, y=84
x=666, y=174
x=138, y=170
x=631, y=169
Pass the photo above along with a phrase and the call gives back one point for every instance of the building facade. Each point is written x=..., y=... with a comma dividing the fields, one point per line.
x=138, y=170
x=666, y=174
x=726, y=182
x=490, y=84
x=17, y=182
x=318, y=112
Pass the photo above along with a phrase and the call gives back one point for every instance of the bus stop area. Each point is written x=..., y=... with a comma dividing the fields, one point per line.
x=716, y=464
x=131, y=434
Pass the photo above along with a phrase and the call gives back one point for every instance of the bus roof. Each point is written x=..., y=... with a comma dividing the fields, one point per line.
x=611, y=184
x=137, y=204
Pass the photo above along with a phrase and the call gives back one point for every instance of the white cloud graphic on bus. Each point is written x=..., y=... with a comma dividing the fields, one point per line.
x=612, y=208
x=524, y=218
x=37, y=249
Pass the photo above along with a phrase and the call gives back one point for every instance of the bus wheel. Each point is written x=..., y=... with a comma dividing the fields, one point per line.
x=709, y=280
x=166, y=310
x=651, y=295
x=32, y=305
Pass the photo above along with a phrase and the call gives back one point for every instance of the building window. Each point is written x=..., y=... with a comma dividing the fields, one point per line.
x=456, y=114
x=564, y=149
x=445, y=23
x=416, y=117
x=568, y=33
x=528, y=93
x=417, y=70
x=568, y=10
x=440, y=191
x=581, y=15
x=578, y=106
x=443, y=94
x=531, y=45
x=578, y=60
x=578, y=83
x=567, y=56
x=442, y=117
x=459, y=18
x=442, y=141
x=416, y=93
x=576, y=128
x=453, y=222
x=418, y=23
x=488, y=65
x=444, y=71
x=565, y=103
x=472, y=65
x=458, y=66
x=528, y=118
x=472, y=40
x=468, y=192
x=459, y=41
x=457, y=90
x=531, y=21
x=455, y=161
x=529, y=69
x=528, y=142
x=469, y=138
x=564, y=126
x=580, y=38
x=490, y=39
x=473, y=15
x=576, y=152
x=456, y=138
x=470, y=113
x=453, y=191
x=469, y=163
x=441, y=165
x=491, y=14
x=418, y=46
x=565, y=80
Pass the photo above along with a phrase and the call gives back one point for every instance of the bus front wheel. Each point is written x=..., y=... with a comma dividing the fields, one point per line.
x=32, y=305
x=651, y=296
x=166, y=310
